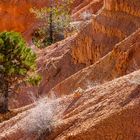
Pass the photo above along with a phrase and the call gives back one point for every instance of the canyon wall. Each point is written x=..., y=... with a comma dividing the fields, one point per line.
x=98, y=37
x=109, y=27
x=55, y=64
x=15, y=16
x=101, y=101
x=122, y=60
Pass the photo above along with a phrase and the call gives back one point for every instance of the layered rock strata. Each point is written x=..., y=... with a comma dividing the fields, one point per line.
x=122, y=60
x=115, y=22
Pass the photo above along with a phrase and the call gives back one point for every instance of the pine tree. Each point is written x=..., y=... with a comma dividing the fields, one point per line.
x=16, y=62
x=56, y=19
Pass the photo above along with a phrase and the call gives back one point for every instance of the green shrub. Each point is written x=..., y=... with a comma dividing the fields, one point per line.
x=56, y=19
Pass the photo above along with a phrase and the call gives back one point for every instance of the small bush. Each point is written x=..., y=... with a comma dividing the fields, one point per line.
x=56, y=19
x=86, y=15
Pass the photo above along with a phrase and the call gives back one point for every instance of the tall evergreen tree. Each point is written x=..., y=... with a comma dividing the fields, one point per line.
x=17, y=62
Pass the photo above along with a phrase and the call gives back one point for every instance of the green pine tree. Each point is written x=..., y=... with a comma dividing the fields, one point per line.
x=17, y=62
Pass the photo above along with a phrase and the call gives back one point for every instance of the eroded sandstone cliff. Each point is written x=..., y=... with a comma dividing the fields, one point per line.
x=94, y=41
x=98, y=38
x=94, y=103
x=55, y=65
x=115, y=22
x=122, y=60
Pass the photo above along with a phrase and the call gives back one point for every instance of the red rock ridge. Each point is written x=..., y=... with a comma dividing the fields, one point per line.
x=97, y=102
x=122, y=60
x=93, y=42
x=105, y=30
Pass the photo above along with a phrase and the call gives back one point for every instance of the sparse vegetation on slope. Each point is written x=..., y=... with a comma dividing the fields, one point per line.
x=56, y=19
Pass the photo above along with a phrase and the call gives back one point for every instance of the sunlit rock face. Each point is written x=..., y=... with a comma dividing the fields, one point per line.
x=15, y=15
x=123, y=59
x=116, y=21
x=102, y=102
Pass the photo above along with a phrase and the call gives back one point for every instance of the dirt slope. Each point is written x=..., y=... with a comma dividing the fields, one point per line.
x=100, y=112
x=104, y=112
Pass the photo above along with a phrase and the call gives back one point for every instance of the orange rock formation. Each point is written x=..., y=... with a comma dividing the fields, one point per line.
x=101, y=101
x=107, y=28
x=98, y=38
x=122, y=60
x=15, y=15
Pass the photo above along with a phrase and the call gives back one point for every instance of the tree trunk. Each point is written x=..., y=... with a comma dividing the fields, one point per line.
x=51, y=28
x=4, y=95
x=51, y=22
